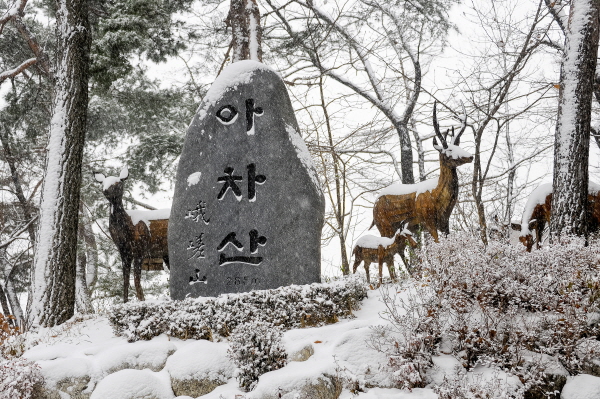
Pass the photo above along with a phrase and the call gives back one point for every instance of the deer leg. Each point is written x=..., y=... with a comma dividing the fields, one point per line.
x=433, y=232
x=380, y=259
x=137, y=278
x=391, y=270
x=126, y=272
x=356, y=263
x=367, y=266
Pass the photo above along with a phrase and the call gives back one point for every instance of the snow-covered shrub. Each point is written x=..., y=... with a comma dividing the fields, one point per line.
x=256, y=349
x=499, y=305
x=19, y=378
x=10, y=342
x=463, y=387
x=202, y=318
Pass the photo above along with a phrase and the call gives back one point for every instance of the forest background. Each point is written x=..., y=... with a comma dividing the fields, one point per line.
x=362, y=75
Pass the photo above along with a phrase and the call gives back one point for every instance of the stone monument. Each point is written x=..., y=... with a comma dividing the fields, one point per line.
x=247, y=210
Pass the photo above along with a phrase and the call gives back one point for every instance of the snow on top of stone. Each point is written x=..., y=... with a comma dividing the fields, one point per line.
x=303, y=154
x=145, y=216
x=402, y=189
x=213, y=365
x=131, y=384
x=194, y=178
x=233, y=75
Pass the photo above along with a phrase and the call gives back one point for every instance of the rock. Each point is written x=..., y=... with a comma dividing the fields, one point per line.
x=65, y=376
x=583, y=386
x=553, y=379
x=324, y=387
x=137, y=355
x=134, y=384
x=303, y=354
x=199, y=367
x=247, y=208
x=74, y=387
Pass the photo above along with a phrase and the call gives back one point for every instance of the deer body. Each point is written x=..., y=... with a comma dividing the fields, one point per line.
x=369, y=249
x=137, y=241
x=538, y=210
x=427, y=204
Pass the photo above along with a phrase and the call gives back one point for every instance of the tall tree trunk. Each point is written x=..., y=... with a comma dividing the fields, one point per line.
x=244, y=20
x=52, y=296
x=572, y=137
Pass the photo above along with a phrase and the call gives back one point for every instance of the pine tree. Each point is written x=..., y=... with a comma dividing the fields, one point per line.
x=52, y=297
x=572, y=137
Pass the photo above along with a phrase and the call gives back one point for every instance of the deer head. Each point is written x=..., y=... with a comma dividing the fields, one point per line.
x=451, y=154
x=112, y=186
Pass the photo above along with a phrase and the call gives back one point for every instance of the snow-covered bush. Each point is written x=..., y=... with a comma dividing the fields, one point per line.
x=256, y=349
x=498, y=305
x=463, y=387
x=202, y=318
x=19, y=378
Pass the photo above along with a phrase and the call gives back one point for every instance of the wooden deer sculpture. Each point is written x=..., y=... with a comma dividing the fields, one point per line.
x=140, y=239
x=429, y=203
x=369, y=249
x=538, y=209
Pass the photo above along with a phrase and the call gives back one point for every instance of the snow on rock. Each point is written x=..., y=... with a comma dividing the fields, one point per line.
x=582, y=386
x=402, y=189
x=194, y=178
x=137, y=355
x=303, y=155
x=233, y=75
x=134, y=384
x=60, y=370
x=146, y=216
x=199, y=366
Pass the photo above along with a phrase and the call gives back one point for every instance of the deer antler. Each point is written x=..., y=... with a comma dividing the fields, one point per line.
x=436, y=127
x=463, y=126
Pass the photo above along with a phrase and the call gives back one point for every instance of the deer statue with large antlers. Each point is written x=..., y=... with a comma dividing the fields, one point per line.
x=537, y=212
x=140, y=236
x=429, y=203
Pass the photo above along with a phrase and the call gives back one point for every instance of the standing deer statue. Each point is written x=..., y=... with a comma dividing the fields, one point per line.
x=429, y=203
x=140, y=239
x=370, y=248
x=538, y=209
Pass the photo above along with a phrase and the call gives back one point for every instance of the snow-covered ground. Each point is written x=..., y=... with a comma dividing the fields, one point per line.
x=317, y=356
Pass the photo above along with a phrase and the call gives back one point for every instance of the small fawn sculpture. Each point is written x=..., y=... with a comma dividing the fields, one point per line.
x=429, y=203
x=369, y=249
x=135, y=242
x=538, y=209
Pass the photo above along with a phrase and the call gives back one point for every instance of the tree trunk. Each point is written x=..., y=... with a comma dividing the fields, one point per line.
x=244, y=20
x=83, y=298
x=572, y=137
x=52, y=297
